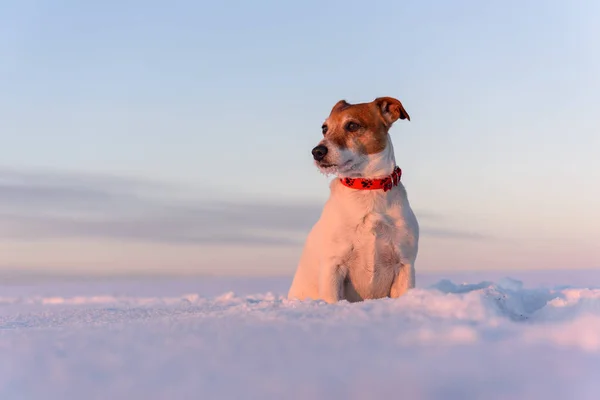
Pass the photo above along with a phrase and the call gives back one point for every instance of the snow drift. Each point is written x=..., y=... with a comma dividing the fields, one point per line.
x=493, y=340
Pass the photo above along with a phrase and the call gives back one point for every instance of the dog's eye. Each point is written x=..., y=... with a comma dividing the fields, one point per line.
x=324, y=129
x=352, y=126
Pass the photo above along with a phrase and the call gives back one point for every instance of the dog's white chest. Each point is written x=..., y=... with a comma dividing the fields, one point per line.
x=374, y=256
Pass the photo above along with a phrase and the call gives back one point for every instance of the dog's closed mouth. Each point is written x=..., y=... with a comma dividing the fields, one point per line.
x=325, y=165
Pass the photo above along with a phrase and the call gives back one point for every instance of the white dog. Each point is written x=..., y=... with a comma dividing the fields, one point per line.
x=365, y=243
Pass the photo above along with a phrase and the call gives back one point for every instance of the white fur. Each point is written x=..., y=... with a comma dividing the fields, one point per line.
x=365, y=243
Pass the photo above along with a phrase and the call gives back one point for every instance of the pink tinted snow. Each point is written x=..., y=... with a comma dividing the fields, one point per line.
x=491, y=337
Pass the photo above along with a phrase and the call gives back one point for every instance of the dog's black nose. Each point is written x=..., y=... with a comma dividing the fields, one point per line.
x=319, y=152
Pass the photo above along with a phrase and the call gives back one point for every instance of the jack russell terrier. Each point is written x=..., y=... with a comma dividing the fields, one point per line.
x=365, y=243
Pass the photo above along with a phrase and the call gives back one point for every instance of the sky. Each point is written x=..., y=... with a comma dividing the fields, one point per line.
x=143, y=137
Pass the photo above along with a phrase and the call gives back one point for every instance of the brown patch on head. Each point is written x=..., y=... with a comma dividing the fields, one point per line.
x=363, y=127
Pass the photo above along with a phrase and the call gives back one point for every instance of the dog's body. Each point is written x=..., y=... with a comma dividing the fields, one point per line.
x=365, y=243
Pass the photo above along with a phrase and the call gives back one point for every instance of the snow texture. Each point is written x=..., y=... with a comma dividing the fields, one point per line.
x=197, y=339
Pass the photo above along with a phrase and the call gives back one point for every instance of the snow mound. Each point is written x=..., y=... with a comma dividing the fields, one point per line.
x=446, y=341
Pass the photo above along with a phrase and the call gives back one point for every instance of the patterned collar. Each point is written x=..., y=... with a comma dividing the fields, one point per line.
x=374, y=184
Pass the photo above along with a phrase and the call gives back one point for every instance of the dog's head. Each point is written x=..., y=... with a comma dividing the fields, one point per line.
x=353, y=132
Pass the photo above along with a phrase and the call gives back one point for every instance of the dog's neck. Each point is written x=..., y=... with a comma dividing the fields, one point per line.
x=376, y=165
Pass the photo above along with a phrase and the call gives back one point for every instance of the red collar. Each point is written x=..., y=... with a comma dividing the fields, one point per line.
x=373, y=184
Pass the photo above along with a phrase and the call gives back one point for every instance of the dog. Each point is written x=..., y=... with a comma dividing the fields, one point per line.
x=365, y=243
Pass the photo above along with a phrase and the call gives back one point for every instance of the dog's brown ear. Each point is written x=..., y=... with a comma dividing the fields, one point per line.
x=340, y=105
x=391, y=109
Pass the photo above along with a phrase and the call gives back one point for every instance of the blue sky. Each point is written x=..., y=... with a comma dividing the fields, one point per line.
x=142, y=137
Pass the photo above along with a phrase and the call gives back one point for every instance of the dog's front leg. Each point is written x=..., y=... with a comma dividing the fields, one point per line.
x=331, y=280
x=403, y=281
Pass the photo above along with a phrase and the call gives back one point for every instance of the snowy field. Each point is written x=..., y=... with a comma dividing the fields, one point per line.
x=493, y=337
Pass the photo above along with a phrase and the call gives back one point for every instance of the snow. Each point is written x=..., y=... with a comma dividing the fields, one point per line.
x=534, y=336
